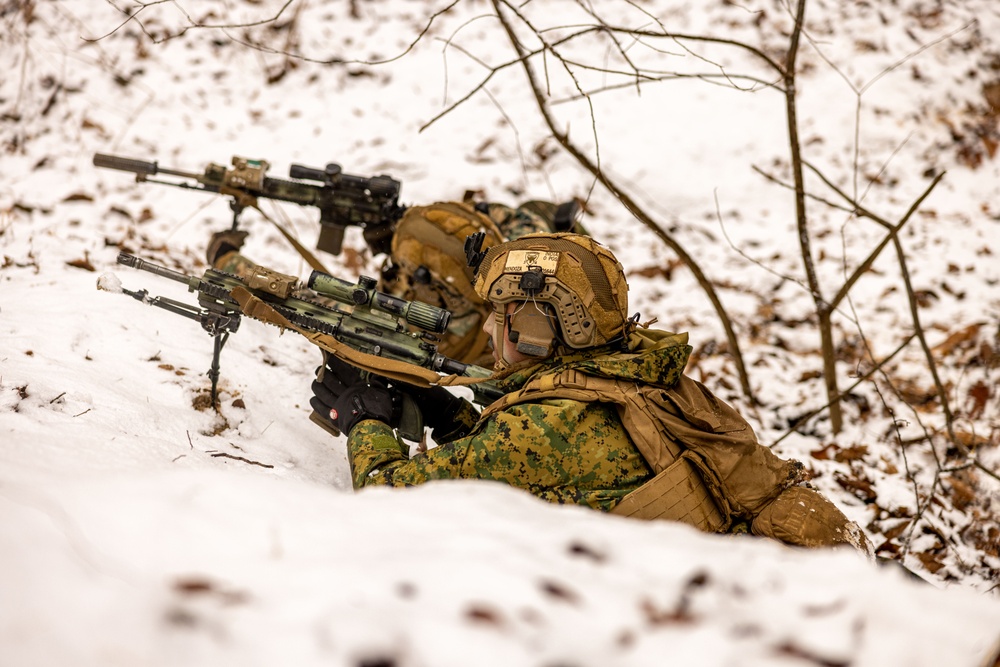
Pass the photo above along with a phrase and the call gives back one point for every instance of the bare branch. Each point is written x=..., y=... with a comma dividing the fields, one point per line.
x=602, y=177
x=801, y=421
x=192, y=24
x=911, y=295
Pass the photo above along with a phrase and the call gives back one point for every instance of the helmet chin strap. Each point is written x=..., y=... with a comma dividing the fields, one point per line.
x=499, y=337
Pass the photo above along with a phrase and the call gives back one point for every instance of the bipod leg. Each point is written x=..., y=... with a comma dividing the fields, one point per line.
x=218, y=341
x=236, y=208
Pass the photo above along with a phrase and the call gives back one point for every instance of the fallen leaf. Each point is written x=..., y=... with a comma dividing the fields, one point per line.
x=956, y=339
x=979, y=394
x=931, y=561
x=82, y=264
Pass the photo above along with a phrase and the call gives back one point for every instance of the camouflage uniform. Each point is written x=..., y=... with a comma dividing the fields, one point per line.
x=563, y=451
x=517, y=222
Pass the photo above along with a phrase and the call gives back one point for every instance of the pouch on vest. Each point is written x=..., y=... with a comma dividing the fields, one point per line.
x=677, y=493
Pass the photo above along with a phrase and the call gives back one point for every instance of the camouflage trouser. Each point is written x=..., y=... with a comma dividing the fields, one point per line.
x=514, y=223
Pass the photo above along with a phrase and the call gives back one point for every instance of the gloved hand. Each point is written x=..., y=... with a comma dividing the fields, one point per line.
x=342, y=398
x=437, y=405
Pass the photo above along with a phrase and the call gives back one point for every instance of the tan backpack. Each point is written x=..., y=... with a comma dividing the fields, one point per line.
x=709, y=468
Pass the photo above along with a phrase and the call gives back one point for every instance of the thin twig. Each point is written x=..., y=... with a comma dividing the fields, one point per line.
x=801, y=421
x=602, y=177
x=239, y=458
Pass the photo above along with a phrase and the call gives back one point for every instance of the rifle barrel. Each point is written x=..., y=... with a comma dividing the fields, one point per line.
x=125, y=164
x=143, y=265
x=141, y=168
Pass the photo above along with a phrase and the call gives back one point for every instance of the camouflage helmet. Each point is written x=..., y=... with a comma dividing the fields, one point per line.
x=427, y=263
x=428, y=246
x=580, y=281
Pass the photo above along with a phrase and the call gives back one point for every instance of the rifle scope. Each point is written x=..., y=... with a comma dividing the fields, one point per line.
x=363, y=293
x=378, y=187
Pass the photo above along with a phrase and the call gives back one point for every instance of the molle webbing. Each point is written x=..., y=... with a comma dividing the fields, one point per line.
x=676, y=493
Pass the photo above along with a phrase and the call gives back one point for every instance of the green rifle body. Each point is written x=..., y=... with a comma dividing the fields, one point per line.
x=356, y=314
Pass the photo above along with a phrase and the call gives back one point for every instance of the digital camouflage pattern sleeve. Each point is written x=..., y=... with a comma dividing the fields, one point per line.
x=562, y=451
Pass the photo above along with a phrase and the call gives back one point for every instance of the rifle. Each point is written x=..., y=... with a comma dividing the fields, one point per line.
x=343, y=200
x=354, y=314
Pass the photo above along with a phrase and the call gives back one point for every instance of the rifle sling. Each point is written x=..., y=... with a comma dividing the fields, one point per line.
x=310, y=258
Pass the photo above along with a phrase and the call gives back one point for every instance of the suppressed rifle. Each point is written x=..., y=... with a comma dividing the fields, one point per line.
x=355, y=314
x=343, y=200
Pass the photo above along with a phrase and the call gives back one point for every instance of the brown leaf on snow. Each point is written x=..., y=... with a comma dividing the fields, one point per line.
x=82, y=263
x=990, y=145
x=559, y=592
x=88, y=124
x=971, y=440
x=840, y=454
x=824, y=453
x=853, y=453
x=789, y=648
x=989, y=355
x=956, y=340
x=962, y=490
x=979, y=394
x=581, y=549
x=920, y=397
x=658, y=270
x=478, y=613
x=199, y=586
x=353, y=260
x=657, y=616
x=984, y=534
x=896, y=530
x=931, y=561
x=861, y=488
x=991, y=92
x=925, y=298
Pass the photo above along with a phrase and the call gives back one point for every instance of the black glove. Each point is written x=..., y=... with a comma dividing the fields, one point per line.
x=438, y=405
x=342, y=398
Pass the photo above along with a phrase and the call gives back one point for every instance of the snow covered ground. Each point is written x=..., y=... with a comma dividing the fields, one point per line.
x=136, y=528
